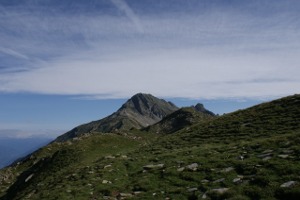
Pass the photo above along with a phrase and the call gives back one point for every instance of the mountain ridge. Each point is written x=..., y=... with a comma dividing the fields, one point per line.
x=139, y=111
x=248, y=154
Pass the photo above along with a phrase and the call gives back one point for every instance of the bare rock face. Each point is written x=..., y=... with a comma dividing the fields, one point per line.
x=139, y=111
x=146, y=109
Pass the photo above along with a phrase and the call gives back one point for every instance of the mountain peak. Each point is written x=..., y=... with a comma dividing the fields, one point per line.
x=148, y=106
x=141, y=95
x=139, y=111
x=142, y=102
x=200, y=108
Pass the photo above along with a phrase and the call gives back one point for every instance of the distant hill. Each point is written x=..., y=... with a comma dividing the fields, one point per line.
x=180, y=119
x=248, y=154
x=139, y=111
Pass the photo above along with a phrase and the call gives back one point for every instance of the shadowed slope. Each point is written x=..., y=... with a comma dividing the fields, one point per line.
x=180, y=119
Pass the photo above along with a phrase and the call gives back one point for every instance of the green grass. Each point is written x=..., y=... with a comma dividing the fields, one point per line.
x=258, y=148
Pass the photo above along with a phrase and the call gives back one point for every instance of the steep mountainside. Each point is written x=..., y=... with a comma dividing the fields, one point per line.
x=139, y=111
x=250, y=154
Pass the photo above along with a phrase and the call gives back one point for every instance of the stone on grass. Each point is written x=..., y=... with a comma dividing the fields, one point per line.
x=151, y=166
x=110, y=157
x=283, y=156
x=192, y=167
x=267, y=151
x=192, y=189
x=217, y=190
x=288, y=184
x=219, y=180
x=220, y=190
x=28, y=178
x=265, y=155
x=125, y=195
x=106, y=182
x=181, y=169
x=204, y=181
x=267, y=158
x=106, y=166
x=237, y=180
x=228, y=169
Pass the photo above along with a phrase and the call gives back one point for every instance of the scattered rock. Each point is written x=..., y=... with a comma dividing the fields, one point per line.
x=150, y=167
x=28, y=178
x=106, y=182
x=219, y=180
x=217, y=190
x=267, y=158
x=192, y=167
x=237, y=180
x=287, y=151
x=283, y=156
x=228, y=169
x=137, y=192
x=110, y=157
x=267, y=151
x=265, y=155
x=106, y=166
x=180, y=169
x=204, y=181
x=288, y=184
x=124, y=195
x=220, y=190
x=192, y=189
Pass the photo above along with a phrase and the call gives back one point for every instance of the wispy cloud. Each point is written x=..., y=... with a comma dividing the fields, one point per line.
x=13, y=53
x=123, y=6
x=191, y=74
x=223, y=53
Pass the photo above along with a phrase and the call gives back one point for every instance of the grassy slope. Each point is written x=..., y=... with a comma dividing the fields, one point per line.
x=260, y=146
x=61, y=167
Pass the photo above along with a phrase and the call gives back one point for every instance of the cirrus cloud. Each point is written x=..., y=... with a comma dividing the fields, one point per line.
x=223, y=53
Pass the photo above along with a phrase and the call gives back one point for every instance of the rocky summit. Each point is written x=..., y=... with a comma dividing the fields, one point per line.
x=139, y=111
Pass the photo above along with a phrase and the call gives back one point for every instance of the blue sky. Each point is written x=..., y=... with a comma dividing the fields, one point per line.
x=67, y=62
